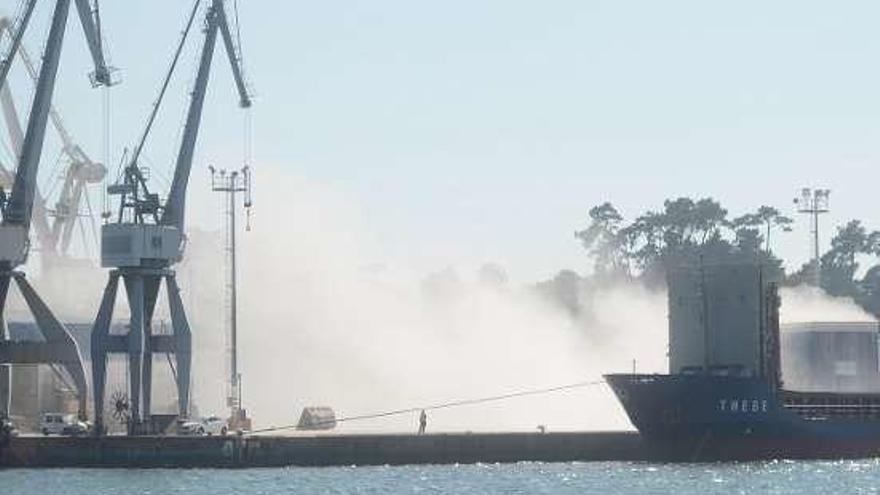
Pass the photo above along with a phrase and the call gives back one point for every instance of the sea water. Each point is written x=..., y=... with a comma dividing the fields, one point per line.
x=604, y=478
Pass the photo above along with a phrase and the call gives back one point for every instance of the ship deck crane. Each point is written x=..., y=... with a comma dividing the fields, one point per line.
x=59, y=347
x=147, y=240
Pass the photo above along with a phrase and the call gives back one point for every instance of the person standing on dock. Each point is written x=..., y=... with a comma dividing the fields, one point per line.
x=423, y=422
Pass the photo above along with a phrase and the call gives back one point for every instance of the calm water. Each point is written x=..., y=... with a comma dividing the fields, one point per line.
x=582, y=478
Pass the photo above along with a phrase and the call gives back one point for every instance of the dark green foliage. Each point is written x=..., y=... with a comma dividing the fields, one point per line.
x=603, y=239
x=766, y=218
x=840, y=267
x=689, y=231
x=684, y=230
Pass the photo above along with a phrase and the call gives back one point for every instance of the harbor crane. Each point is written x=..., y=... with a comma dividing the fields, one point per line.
x=147, y=239
x=59, y=348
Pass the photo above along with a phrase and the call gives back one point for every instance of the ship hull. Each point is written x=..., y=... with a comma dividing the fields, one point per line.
x=701, y=417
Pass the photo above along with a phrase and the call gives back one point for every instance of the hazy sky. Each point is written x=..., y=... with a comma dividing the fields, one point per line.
x=484, y=130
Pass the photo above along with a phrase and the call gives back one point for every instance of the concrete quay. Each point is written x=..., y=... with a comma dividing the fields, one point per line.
x=318, y=450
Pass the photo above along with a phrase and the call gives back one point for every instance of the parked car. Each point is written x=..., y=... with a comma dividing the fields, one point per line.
x=212, y=425
x=62, y=424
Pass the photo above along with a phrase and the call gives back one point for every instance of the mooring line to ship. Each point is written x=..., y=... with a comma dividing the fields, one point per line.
x=445, y=405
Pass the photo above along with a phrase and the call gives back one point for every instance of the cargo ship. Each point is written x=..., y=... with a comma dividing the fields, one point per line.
x=726, y=396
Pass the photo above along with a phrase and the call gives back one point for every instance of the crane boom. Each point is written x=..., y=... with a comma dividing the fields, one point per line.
x=234, y=60
x=18, y=210
x=13, y=124
x=136, y=153
x=87, y=18
x=17, y=34
x=66, y=140
x=174, y=210
x=16, y=137
x=53, y=240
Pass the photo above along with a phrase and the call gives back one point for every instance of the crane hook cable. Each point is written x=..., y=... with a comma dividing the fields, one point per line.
x=445, y=405
x=158, y=102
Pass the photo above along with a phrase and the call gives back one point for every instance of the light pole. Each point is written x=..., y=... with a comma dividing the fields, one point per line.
x=231, y=183
x=814, y=202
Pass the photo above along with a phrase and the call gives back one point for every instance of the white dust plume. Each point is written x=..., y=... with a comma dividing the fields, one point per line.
x=325, y=320
x=807, y=303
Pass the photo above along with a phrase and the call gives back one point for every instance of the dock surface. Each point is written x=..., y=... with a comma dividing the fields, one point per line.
x=319, y=450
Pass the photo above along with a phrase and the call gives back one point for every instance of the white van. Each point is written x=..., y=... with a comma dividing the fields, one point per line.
x=62, y=424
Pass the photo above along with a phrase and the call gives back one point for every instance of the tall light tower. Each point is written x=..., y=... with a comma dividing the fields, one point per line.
x=814, y=202
x=231, y=183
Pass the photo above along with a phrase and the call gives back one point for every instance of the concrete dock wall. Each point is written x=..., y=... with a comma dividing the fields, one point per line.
x=320, y=450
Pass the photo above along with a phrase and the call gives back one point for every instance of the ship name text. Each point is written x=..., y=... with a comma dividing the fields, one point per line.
x=743, y=405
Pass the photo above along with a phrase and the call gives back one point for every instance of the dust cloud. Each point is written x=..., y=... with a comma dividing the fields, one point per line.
x=325, y=320
x=807, y=303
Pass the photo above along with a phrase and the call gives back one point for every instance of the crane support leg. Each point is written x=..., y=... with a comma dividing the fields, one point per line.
x=59, y=346
x=5, y=387
x=5, y=369
x=182, y=339
x=63, y=348
x=140, y=343
x=100, y=346
x=134, y=288
x=151, y=293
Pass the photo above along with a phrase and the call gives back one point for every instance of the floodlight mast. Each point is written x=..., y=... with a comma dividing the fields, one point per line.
x=231, y=183
x=146, y=241
x=814, y=202
x=17, y=209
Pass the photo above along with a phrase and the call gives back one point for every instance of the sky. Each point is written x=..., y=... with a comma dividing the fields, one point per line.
x=483, y=131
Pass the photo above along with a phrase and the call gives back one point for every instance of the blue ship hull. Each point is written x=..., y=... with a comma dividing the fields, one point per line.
x=706, y=417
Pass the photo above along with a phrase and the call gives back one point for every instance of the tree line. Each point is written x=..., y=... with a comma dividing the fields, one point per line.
x=643, y=248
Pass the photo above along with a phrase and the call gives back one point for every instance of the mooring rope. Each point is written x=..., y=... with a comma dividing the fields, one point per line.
x=444, y=405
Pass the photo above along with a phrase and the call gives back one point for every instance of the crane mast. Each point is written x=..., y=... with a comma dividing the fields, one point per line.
x=59, y=347
x=145, y=242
